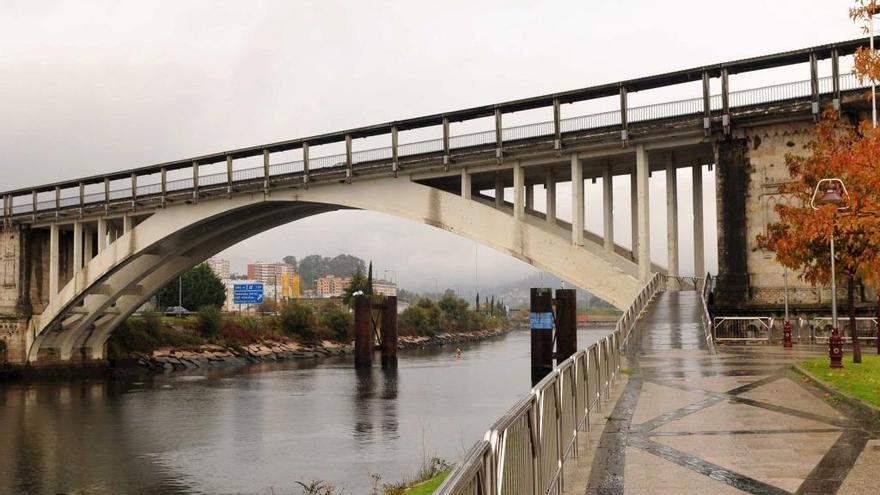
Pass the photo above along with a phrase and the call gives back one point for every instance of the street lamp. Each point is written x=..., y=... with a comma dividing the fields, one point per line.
x=871, y=10
x=831, y=195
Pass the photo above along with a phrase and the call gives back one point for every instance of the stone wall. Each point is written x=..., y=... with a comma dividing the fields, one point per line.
x=14, y=295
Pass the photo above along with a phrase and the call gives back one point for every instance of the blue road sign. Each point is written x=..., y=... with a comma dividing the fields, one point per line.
x=541, y=321
x=247, y=293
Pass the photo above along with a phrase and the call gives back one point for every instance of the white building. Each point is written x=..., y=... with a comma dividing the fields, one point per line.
x=220, y=267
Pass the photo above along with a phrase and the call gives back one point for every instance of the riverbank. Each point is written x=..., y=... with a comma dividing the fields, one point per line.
x=170, y=359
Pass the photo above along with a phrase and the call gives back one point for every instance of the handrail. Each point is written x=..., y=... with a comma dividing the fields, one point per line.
x=705, y=316
x=524, y=450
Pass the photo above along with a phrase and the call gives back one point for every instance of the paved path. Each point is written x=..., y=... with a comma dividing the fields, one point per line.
x=735, y=422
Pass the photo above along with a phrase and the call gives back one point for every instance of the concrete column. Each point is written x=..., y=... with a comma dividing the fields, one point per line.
x=634, y=213
x=102, y=234
x=642, y=172
x=465, y=184
x=699, y=259
x=530, y=197
x=77, y=247
x=577, y=201
x=54, y=260
x=499, y=190
x=608, y=206
x=126, y=224
x=518, y=191
x=550, y=192
x=88, y=246
x=671, y=220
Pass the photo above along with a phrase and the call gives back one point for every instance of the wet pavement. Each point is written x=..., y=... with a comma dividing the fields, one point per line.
x=739, y=421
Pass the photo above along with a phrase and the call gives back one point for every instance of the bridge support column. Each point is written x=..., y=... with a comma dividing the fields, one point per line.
x=88, y=245
x=550, y=193
x=77, y=248
x=566, y=324
x=54, y=261
x=608, y=207
x=518, y=191
x=644, y=225
x=466, y=184
x=634, y=214
x=577, y=201
x=126, y=224
x=671, y=221
x=499, y=190
x=541, y=311
x=699, y=242
x=530, y=197
x=389, y=332
x=102, y=234
x=15, y=304
x=363, y=332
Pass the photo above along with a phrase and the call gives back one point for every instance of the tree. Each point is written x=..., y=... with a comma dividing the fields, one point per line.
x=337, y=319
x=358, y=283
x=298, y=320
x=201, y=287
x=290, y=260
x=209, y=321
x=801, y=237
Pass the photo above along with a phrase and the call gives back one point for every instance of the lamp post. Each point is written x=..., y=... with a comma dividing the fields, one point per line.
x=831, y=196
x=871, y=9
x=786, y=326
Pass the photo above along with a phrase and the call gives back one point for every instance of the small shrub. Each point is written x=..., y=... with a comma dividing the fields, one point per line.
x=298, y=320
x=233, y=334
x=337, y=321
x=250, y=324
x=209, y=321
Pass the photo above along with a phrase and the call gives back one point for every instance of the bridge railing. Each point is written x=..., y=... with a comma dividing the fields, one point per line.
x=742, y=328
x=524, y=451
x=24, y=204
x=818, y=328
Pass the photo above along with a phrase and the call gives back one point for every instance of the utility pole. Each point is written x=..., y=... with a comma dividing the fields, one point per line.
x=180, y=296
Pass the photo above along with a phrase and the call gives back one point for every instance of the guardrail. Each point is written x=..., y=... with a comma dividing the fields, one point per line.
x=523, y=452
x=704, y=288
x=742, y=328
x=819, y=328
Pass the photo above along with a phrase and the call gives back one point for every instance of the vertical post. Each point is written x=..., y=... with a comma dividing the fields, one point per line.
x=348, y=164
x=106, y=194
x=445, y=143
x=102, y=234
x=530, y=197
x=577, y=201
x=671, y=220
x=389, y=332
x=608, y=206
x=550, y=191
x=34, y=204
x=134, y=188
x=163, y=178
x=499, y=190
x=498, y=136
x=88, y=245
x=557, y=124
x=835, y=83
x=624, y=123
x=77, y=246
x=306, y=163
x=707, y=104
x=57, y=202
x=395, y=159
x=725, y=101
x=541, y=317
x=466, y=184
x=54, y=262
x=229, y=176
x=195, y=192
x=266, y=178
x=363, y=332
x=642, y=170
x=634, y=214
x=566, y=324
x=82, y=198
x=126, y=223
x=814, y=85
x=699, y=260
x=518, y=191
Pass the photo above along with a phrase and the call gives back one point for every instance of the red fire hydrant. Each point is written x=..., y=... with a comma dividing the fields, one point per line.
x=786, y=334
x=835, y=349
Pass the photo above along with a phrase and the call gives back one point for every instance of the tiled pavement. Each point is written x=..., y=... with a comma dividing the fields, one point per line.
x=738, y=421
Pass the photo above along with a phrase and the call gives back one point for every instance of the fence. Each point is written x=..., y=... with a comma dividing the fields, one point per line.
x=742, y=328
x=818, y=329
x=523, y=452
x=704, y=288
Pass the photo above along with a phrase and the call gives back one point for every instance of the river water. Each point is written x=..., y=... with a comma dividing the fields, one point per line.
x=258, y=428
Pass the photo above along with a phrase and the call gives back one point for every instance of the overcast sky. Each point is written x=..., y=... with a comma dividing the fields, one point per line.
x=91, y=87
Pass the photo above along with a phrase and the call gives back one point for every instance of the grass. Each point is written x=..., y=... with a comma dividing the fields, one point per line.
x=428, y=487
x=861, y=381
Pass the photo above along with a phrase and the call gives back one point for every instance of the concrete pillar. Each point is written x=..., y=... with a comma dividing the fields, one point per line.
x=466, y=184
x=88, y=246
x=102, y=234
x=499, y=190
x=608, y=206
x=550, y=191
x=54, y=260
x=577, y=201
x=126, y=224
x=518, y=191
x=634, y=213
x=644, y=230
x=671, y=218
x=699, y=256
x=77, y=247
x=530, y=197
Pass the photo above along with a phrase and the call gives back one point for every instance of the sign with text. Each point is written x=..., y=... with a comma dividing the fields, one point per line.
x=247, y=293
x=541, y=321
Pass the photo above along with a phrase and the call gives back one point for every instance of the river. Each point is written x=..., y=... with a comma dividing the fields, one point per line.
x=258, y=428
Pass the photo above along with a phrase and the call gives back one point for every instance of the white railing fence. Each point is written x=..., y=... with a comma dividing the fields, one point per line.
x=523, y=452
x=742, y=328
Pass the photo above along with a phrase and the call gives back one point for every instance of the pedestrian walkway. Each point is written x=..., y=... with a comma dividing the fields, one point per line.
x=738, y=421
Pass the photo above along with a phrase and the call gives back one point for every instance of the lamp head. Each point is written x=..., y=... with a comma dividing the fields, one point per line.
x=831, y=195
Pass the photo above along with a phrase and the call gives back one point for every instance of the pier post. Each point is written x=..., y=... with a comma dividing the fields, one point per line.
x=566, y=323
x=541, y=316
x=363, y=332
x=389, y=332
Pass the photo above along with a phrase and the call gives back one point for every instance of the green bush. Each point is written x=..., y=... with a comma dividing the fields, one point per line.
x=338, y=321
x=250, y=323
x=298, y=320
x=421, y=318
x=209, y=321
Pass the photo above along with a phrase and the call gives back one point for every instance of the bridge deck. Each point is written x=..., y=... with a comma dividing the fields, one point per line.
x=735, y=422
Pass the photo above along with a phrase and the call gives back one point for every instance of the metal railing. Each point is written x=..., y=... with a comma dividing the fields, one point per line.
x=23, y=204
x=524, y=451
x=742, y=328
x=819, y=328
x=705, y=288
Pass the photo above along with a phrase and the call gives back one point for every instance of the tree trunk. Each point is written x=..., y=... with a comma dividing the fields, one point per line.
x=851, y=300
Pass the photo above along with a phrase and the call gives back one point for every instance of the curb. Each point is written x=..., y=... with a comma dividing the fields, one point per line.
x=827, y=387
